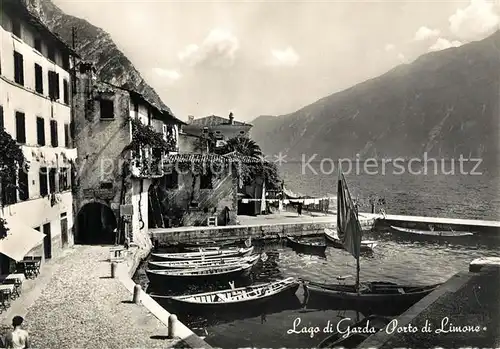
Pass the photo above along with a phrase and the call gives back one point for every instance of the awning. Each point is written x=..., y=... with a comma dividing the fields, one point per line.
x=20, y=239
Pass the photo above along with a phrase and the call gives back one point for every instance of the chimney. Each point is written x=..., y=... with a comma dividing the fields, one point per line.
x=190, y=119
x=231, y=118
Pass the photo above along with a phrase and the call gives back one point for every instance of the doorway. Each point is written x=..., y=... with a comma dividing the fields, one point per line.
x=64, y=232
x=96, y=223
x=47, y=241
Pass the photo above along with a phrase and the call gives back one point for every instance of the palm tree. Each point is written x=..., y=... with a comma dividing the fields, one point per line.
x=243, y=146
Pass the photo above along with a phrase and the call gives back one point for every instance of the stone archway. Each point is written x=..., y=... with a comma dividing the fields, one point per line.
x=95, y=224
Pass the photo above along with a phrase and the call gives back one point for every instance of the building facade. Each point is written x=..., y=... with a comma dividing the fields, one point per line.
x=221, y=129
x=35, y=109
x=113, y=179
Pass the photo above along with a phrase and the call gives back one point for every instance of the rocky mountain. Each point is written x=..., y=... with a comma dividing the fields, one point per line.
x=445, y=103
x=95, y=45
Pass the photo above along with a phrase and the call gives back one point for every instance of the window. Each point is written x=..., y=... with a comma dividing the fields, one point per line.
x=9, y=192
x=23, y=184
x=107, y=109
x=1, y=118
x=53, y=133
x=38, y=79
x=66, y=136
x=64, y=180
x=65, y=61
x=136, y=109
x=53, y=85
x=206, y=180
x=65, y=91
x=18, y=68
x=16, y=27
x=38, y=44
x=20, y=128
x=106, y=185
x=242, y=132
x=172, y=180
x=52, y=180
x=51, y=53
x=40, y=131
x=42, y=176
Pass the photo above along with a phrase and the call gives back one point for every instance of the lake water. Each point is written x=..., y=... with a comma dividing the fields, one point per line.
x=396, y=259
x=471, y=193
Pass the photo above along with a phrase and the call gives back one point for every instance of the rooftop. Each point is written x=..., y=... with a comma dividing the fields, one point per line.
x=214, y=120
x=16, y=7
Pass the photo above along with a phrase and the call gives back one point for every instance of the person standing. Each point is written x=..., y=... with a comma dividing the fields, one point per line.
x=17, y=338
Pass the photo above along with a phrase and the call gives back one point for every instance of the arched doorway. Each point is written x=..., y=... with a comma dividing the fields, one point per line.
x=96, y=223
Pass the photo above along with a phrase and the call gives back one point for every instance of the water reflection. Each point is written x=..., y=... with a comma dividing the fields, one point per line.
x=395, y=259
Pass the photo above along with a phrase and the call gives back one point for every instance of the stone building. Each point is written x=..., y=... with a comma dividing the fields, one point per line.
x=35, y=109
x=197, y=187
x=220, y=128
x=112, y=182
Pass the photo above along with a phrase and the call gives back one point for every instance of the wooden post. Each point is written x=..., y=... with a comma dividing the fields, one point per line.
x=113, y=270
x=137, y=294
x=172, y=324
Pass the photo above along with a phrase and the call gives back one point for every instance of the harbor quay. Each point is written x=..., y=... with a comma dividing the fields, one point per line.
x=79, y=301
x=461, y=313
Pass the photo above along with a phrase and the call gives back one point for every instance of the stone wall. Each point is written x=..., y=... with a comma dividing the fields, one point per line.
x=177, y=203
x=270, y=231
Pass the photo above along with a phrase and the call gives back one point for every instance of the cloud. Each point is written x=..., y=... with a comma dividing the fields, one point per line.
x=287, y=57
x=479, y=18
x=424, y=33
x=442, y=44
x=169, y=75
x=401, y=57
x=218, y=49
x=389, y=47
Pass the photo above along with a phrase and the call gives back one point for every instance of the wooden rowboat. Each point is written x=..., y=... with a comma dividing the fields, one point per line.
x=236, y=296
x=301, y=245
x=433, y=233
x=222, y=253
x=371, y=295
x=332, y=237
x=359, y=332
x=167, y=276
x=203, y=263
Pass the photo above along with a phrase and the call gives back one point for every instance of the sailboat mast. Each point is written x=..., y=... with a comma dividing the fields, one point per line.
x=357, y=264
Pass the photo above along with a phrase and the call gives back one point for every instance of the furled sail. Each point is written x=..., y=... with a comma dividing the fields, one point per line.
x=348, y=227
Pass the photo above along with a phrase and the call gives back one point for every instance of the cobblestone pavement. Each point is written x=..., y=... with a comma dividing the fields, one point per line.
x=82, y=307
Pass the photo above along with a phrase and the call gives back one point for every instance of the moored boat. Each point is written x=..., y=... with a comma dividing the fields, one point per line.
x=332, y=237
x=203, y=263
x=371, y=295
x=236, y=296
x=166, y=276
x=227, y=252
x=433, y=233
x=301, y=245
x=358, y=333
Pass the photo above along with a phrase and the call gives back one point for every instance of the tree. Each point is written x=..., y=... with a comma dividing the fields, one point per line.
x=241, y=145
x=248, y=147
x=11, y=159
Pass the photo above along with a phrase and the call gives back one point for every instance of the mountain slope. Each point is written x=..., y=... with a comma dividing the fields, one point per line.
x=445, y=103
x=95, y=45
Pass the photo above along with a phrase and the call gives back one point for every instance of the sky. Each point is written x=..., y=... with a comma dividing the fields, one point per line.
x=272, y=58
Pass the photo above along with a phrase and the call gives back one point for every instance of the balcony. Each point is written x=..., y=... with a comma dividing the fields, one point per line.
x=147, y=166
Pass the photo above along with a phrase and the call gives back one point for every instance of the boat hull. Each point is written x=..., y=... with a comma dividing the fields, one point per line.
x=284, y=296
x=436, y=234
x=305, y=247
x=206, y=255
x=170, y=280
x=365, y=246
x=186, y=264
x=385, y=298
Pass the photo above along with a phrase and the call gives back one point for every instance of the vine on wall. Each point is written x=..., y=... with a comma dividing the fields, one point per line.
x=11, y=158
